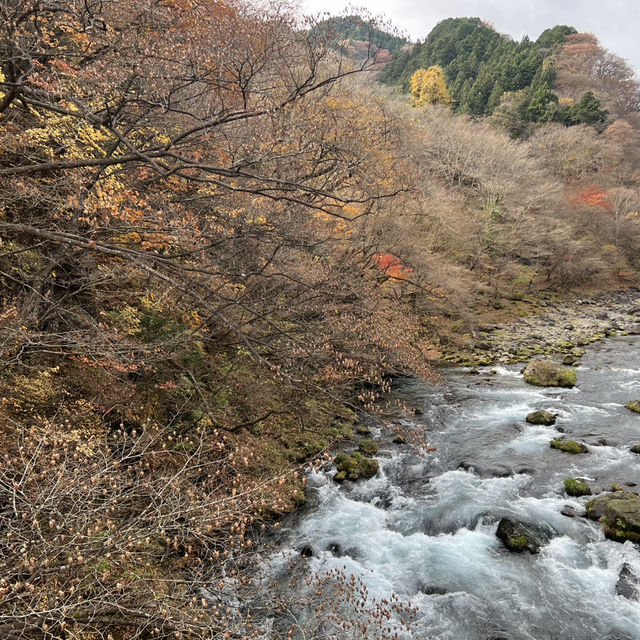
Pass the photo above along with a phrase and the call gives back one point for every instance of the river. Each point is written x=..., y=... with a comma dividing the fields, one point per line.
x=419, y=539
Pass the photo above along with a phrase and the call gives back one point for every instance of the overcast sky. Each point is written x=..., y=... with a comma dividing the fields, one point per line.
x=616, y=23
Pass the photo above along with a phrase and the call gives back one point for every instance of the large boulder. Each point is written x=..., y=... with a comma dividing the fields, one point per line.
x=619, y=513
x=544, y=373
x=521, y=536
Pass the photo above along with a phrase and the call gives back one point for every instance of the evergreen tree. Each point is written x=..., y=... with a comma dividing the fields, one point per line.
x=543, y=106
x=588, y=111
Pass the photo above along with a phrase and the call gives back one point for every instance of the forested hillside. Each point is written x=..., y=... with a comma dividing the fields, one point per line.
x=219, y=238
x=480, y=64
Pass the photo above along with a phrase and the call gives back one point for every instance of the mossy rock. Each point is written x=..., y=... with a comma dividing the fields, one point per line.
x=570, y=446
x=634, y=406
x=363, y=430
x=346, y=463
x=635, y=449
x=368, y=447
x=619, y=513
x=576, y=487
x=341, y=476
x=569, y=360
x=521, y=536
x=544, y=373
x=623, y=515
x=354, y=466
x=541, y=417
x=369, y=467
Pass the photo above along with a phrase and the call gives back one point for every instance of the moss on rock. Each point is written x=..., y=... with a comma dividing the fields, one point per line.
x=570, y=446
x=619, y=513
x=521, y=536
x=354, y=467
x=368, y=447
x=576, y=487
x=541, y=417
x=635, y=449
x=341, y=476
x=634, y=406
x=544, y=373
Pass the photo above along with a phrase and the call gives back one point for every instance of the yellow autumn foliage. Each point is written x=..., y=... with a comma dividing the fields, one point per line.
x=428, y=86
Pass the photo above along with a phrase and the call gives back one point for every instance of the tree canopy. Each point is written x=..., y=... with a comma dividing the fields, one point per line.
x=428, y=86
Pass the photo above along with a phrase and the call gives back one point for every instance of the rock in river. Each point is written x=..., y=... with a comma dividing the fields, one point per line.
x=576, y=487
x=544, y=373
x=628, y=584
x=521, y=536
x=354, y=467
x=541, y=417
x=619, y=513
x=570, y=446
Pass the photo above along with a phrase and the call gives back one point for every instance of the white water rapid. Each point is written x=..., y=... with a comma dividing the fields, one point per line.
x=425, y=527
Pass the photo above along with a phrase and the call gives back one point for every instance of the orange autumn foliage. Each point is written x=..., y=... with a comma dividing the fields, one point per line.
x=392, y=266
x=593, y=196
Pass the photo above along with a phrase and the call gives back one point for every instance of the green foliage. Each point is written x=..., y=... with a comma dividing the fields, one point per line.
x=587, y=111
x=555, y=35
x=543, y=106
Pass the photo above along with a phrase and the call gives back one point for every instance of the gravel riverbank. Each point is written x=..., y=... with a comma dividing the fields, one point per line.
x=559, y=328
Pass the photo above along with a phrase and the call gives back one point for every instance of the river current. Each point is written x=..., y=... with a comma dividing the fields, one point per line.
x=424, y=528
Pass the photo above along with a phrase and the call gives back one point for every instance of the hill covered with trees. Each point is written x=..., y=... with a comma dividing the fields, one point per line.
x=479, y=63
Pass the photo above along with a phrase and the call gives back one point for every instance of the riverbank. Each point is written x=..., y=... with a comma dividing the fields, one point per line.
x=556, y=327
